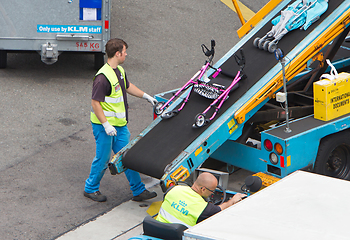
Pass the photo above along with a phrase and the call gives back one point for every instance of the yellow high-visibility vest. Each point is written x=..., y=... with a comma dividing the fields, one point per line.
x=181, y=205
x=113, y=107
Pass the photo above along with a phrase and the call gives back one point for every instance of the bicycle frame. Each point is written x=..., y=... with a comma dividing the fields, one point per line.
x=200, y=86
x=196, y=79
x=191, y=81
x=223, y=96
x=200, y=119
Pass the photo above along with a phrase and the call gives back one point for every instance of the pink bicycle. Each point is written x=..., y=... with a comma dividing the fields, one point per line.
x=201, y=84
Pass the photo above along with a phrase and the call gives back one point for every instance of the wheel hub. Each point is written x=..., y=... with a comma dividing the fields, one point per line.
x=335, y=163
x=338, y=164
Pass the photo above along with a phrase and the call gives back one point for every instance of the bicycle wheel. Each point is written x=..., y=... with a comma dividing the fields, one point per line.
x=167, y=115
x=199, y=120
x=157, y=108
x=256, y=42
x=266, y=45
x=261, y=43
x=272, y=47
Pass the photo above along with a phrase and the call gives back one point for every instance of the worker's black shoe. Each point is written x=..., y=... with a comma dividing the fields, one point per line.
x=145, y=195
x=96, y=196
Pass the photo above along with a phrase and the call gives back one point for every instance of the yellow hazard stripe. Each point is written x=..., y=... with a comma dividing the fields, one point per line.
x=246, y=12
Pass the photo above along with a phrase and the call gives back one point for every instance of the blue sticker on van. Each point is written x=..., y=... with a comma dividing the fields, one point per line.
x=69, y=29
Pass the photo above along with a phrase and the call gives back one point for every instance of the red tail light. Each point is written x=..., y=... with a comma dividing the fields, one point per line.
x=268, y=145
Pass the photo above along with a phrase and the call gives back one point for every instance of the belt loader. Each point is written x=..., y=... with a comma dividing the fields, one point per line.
x=250, y=130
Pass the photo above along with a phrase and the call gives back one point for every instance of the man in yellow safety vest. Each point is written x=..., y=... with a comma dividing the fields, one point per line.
x=109, y=118
x=187, y=205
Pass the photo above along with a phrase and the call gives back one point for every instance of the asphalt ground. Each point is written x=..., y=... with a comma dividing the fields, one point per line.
x=46, y=144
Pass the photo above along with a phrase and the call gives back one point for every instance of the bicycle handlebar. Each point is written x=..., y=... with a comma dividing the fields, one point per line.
x=207, y=52
x=240, y=60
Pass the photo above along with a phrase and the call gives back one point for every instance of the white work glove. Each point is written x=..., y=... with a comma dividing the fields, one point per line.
x=150, y=99
x=110, y=130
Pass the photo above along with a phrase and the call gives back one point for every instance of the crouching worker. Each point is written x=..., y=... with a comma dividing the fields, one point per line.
x=187, y=205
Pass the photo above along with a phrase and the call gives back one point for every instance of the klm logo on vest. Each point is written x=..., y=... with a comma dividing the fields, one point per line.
x=116, y=87
x=181, y=207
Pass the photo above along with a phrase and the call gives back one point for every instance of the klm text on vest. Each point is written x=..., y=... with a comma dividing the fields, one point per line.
x=181, y=207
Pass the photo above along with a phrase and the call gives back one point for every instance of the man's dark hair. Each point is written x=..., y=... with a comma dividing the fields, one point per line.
x=115, y=45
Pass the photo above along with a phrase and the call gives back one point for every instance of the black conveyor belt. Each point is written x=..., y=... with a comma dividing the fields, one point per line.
x=163, y=143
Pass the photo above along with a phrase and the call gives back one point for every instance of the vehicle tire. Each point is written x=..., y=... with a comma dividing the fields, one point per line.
x=99, y=60
x=3, y=59
x=333, y=157
x=156, y=108
x=199, y=120
x=256, y=42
